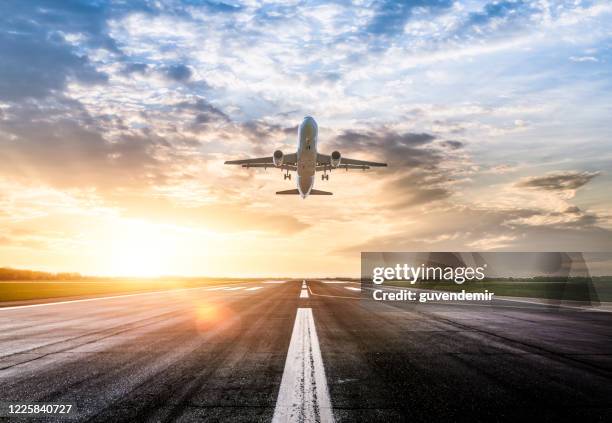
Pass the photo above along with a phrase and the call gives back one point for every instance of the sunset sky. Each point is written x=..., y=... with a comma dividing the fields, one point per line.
x=116, y=118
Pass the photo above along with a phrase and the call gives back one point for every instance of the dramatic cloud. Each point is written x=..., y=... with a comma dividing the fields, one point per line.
x=119, y=115
x=400, y=149
x=38, y=56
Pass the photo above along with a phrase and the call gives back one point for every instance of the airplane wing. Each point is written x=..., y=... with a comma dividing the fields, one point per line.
x=269, y=165
x=261, y=160
x=321, y=168
x=324, y=163
x=289, y=160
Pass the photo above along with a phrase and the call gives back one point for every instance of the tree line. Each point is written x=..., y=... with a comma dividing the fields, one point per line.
x=9, y=274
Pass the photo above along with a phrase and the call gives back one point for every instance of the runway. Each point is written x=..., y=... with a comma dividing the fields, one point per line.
x=262, y=351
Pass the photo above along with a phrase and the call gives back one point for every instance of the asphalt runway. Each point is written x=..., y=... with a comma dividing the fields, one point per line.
x=304, y=352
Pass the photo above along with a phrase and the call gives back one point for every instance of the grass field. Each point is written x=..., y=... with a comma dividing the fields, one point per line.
x=572, y=291
x=37, y=290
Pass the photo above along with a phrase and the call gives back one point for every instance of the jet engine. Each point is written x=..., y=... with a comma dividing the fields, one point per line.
x=277, y=158
x=335, y=159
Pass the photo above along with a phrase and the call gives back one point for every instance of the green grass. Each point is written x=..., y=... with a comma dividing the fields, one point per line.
x=573, y=291
x=23, y=291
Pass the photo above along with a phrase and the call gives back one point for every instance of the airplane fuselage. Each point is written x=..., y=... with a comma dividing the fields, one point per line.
x=306, y=155
x=306, y=161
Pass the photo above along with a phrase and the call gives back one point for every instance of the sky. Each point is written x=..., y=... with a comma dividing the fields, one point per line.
x=116, y=118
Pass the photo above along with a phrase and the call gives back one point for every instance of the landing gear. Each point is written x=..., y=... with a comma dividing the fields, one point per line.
x=287, y=176
x=325, y=177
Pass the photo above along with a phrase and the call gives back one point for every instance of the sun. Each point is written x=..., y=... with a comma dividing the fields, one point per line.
x=141, y=249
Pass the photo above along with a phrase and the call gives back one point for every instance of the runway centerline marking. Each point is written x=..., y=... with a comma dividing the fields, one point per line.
x=255, y=288
x=352, y=288
x=303, y=395
x=304, y=293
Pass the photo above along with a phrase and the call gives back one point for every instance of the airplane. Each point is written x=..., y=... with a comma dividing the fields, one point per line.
x=306, y=161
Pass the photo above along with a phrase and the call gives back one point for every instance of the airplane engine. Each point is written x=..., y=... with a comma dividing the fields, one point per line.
x=335, y=159
x=277, y=158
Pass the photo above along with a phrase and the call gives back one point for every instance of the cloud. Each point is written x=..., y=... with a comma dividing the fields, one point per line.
x=400, y=149
x=463, y=228
x=221, y=7
x=499, y=12
x=129, y=101
x=205, y=112
x=558, y=181
x=140, y=68
x=38, y=57
x=220, y=217
x=415, y=188
x=581, y=59
x=392, y=15
x=52, y=148
x=453, y=145
x=35, y=67
x=178, y=73
x=421, y=170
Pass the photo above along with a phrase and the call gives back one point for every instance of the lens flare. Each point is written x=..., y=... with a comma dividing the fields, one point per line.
x=211, y=316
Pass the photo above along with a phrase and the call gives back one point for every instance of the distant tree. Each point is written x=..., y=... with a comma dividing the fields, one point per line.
x=9, y=274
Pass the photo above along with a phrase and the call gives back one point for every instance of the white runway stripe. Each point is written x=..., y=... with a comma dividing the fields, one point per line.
x=352, y=288
x=255, y=288
x=303, y=394
x=233, y=288
x=303, y=293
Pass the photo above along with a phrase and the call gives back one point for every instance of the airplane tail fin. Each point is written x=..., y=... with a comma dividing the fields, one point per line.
x=288, y=192
x=296, y=192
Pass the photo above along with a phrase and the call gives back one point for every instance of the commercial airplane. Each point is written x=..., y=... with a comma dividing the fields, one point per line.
x=306, y=161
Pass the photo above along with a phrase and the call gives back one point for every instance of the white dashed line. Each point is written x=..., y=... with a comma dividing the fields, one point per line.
x=233, y=288
x=303, y=394
x=352, y=288
x=255, y=288
x=304, y=293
